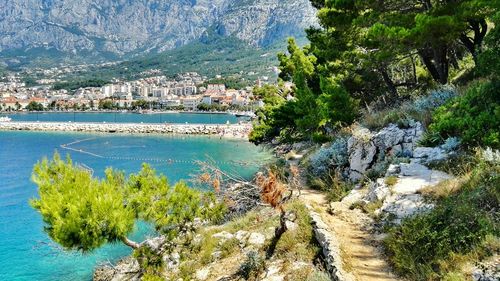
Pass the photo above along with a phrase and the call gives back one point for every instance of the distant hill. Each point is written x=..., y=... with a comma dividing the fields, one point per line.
x=40, y=32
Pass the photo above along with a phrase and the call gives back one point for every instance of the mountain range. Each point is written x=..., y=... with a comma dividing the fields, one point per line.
x=123, y=29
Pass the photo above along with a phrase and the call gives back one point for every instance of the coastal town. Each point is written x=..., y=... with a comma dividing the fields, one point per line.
x=188, y=91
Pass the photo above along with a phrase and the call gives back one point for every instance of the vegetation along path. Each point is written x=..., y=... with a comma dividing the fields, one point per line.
x=359, y=247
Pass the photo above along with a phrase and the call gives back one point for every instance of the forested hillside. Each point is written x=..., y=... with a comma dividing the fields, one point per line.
x=371, y=56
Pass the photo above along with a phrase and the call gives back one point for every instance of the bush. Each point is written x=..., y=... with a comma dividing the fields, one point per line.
x=327, y=158
x=421, y=246
x=252, y=266
x=419, y=109
x=435, y=99
x=473, y=117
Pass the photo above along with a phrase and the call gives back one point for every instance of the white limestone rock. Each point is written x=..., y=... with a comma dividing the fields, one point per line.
x=378, y=191
x=202, y=274
x=429, y=154
x=415, y=176
x=404, y=205
x=257, y=239
x=224, y=235
x=362, y=151
x=389, y=137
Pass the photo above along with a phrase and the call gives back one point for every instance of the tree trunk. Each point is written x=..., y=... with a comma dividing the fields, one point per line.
x=480, y=28
x=436, y=61
x=388, y=82
x=130, y=243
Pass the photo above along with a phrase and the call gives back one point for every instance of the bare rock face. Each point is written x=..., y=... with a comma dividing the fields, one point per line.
x=362, y=152
x=121, y=27
x=365, y=148
x=127, y=269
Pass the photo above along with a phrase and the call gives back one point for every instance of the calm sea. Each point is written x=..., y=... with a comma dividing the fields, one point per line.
x=191, y=118
x=26, y=253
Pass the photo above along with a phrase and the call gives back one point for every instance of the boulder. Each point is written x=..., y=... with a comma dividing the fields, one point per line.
x=362, y=152
x=487, y=271
x=393, y=170
x=415, y=176
x=202, y=274
x=429, y=154
x=242, y=237
x=257, y=239
x=378, y=191
x=224, y=235
x=389, y=137
x=290, y=225
x=401, y=206
x=155, y=244
x=127, y=269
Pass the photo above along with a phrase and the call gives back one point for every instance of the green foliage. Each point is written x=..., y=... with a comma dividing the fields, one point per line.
x=489, y=59
x=212, y=107
x=332, y=183
x=318, y=102
x=473, y=117
x=272, y=119
x=457, y=225
x=231, y=82
x=34, y=106
x=77, y=84
x=212, y=55
x=252, y=266
x=391, y=181
x=368, y=208
x=83, y=213
x=80, y=212
x=151, y=263
x=107, y=105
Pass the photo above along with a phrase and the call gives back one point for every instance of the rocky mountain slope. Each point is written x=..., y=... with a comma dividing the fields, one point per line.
x=121, y=27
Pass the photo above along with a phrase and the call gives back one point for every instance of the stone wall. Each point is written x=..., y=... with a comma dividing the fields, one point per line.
x=232, y=130
x=330, y=248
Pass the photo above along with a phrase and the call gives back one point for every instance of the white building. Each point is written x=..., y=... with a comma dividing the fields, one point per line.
x=191, y=103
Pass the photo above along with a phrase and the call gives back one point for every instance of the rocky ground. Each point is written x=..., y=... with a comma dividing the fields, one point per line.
x=327, y=240
x=238, y=250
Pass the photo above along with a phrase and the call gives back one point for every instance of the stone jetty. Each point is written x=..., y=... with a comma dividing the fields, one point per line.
x=222, y=130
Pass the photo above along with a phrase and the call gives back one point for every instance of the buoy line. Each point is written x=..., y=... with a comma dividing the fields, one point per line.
x=157, y=160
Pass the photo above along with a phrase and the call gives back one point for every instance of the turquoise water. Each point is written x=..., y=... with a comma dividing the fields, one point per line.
x=191, y=118
x=26, y=253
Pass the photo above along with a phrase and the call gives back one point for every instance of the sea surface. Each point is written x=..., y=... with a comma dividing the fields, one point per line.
x=26, y=253
x=191, y=118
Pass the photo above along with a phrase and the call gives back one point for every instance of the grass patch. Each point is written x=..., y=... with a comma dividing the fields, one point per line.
x=298, y=244
x=460, y=228
x=333, y=185
x=457, y=164
x=443, y=189
x=368, y=208
x=253, y=265
x=391, y=181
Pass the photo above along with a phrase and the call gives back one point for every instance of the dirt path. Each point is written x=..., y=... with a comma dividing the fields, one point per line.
x=360, y=254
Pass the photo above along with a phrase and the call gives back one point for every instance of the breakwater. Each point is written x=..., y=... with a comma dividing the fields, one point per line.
x=228, y=130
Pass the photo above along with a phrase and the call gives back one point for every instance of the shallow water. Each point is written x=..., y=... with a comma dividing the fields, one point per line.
x=26, y=253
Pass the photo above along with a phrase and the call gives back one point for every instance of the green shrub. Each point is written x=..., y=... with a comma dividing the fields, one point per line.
x=252, y=266
x=420, y=246
x=419, y=109
x=473, y=117
x=149, y=261
x=391, y=181
x=333, y=184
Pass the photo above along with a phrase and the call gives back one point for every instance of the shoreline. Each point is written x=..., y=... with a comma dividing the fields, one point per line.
x=232, y=131
x=120, y=111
